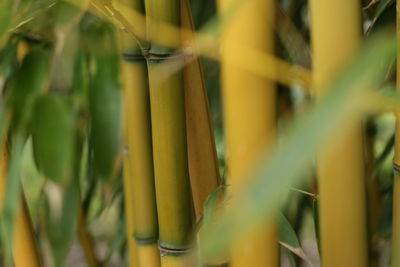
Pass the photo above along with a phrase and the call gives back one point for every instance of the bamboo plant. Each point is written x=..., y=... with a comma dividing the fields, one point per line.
x=139, y=181
x=336, y=27
x=250, y=113
x=174, y=204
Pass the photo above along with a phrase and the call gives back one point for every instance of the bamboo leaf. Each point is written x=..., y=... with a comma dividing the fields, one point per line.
x=287, y=234
x=105, y=100
x=53, y=137
x=30, y=81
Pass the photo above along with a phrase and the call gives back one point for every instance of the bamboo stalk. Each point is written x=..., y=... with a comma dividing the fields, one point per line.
x=250, y=114
x=139, y=182
x=396, y=187
x=336, y=37
x=129, y=217
x=203, y=161
x=24, y=242
x=167, y=101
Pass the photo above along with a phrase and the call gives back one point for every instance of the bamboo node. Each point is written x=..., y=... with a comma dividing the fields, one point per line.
x=396, y=169
x=129, y=57
x=140, y=241
x=164, y=251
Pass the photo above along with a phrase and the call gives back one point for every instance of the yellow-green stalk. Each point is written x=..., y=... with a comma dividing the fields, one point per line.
x=86, y=241
x=396, y=162
x=24, y=242
x=250, y=117
x=336, y=37
x=139, y=182
x=203, y=161
x=129, y=216
x=174, y=204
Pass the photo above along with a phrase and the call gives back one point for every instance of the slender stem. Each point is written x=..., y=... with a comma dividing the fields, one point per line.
x=86, y=241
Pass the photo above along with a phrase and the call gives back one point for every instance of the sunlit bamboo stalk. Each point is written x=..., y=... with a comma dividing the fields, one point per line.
x=24, y=242
x=139, y=182
x=395, y=260
x=250, y=117
x=336, y=36
x=167, y=100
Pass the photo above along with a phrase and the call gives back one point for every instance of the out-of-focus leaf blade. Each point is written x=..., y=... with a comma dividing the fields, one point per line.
x=104, y=100
x=53, y=137
x=30, y=81
x=286, y=232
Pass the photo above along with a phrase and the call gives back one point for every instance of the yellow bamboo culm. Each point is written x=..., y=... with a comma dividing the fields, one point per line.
x=250, y=117
x=129, y=217
x=140, y=201
x=167, y=101
x=336, y=37
x=25, y=250
x=396, y=162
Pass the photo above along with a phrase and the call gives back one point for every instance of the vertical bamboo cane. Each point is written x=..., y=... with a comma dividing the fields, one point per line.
x=250, y=114
x=129, y=216
x=174, y=204
x=139, y=182
x=396, y=189
x=336, y=36
x=24, y=242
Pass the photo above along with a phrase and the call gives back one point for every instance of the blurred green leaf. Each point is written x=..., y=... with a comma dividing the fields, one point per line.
x=286, y=232
x=104, y=100
x=31, y=79
x=53, y=137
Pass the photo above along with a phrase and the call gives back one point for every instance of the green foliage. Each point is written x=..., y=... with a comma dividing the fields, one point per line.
x=53, y=137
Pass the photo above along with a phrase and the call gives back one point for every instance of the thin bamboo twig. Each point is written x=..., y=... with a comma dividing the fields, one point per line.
x=86, y=241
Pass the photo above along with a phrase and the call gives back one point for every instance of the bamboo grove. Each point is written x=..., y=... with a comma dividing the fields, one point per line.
x=174, y=133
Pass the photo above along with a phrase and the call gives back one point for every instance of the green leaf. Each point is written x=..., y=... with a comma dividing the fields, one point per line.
x=105, y=102
x=53, y=137
x=31, y=79
x=281, y=167
x=286, y=232
x=316, y=221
